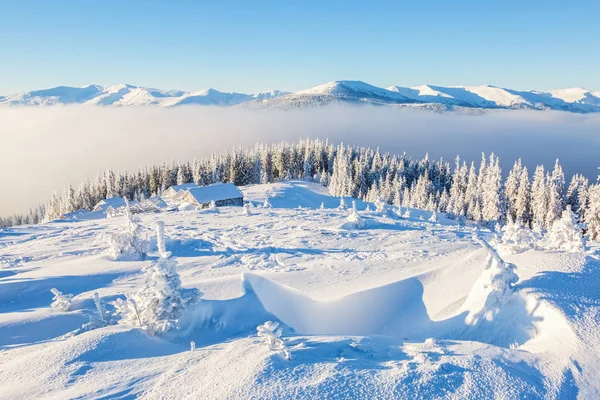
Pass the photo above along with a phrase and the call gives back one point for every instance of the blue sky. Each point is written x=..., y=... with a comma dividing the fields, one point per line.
x=258, y=45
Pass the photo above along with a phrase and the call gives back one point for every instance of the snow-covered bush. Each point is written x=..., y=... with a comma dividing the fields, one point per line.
x=516, y=237
x=212, y=205
x=433, y=217
x=354, y=221
x=127, y=243
x=322, y=206
x=61, y=301
x=267, y=203
x=342, y=205
x=247, y=211
x=161, y=303
x=565, y=233
x=160, y=240
x=368, y=209
x=99, y=319
x=406, y=214
x=272, y=337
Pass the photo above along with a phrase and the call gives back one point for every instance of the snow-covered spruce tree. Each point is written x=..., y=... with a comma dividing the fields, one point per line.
x=127, y=243
x=267, y=203
x=592, y=213
x=539, y=196
x=577, y=195
x=565, y=233
x=160, y=305
x=492, y=193
x=523, y=201
x=511, y=189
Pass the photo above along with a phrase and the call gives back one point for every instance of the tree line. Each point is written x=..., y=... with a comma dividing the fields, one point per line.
x=461, y=190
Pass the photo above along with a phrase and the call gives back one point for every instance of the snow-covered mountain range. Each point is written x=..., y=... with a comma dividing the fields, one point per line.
x=354, y=92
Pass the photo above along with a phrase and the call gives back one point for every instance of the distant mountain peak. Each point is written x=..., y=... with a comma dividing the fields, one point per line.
x=429, y=97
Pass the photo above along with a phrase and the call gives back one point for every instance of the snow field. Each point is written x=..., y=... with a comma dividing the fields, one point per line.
x=403, y=308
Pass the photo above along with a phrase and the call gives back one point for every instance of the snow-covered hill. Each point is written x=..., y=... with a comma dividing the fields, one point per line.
x=429, y=97
x=129, y=95
x=402, y=308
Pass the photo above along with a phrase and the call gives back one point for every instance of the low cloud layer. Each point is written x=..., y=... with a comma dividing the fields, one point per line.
x=43, y=149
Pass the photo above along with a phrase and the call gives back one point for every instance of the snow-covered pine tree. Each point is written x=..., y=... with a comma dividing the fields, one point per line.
x=511, y=189
x=592, y=212
x=522, y=203
x=127, y=243
x=565, y=233
x=554, y=204
x=492, y=198
x=539, y=195
x=161, y=304
x=577, y=195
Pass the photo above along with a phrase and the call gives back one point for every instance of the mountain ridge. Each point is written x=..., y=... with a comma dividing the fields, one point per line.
x=431, y=97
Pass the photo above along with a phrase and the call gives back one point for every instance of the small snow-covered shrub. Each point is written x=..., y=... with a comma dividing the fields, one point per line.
x=354, y=221
x=247, y=211
x=127, y=243
x=342, y=205
x=161, y=303
x=97, y=320
x=272, y=337
x=433, y=217
x=406, y=214
x=212, y=205
x=516, y=237
x=61, y=301
x=368, y=209
x=565, y=233
x=267, y=203
x=322, y=206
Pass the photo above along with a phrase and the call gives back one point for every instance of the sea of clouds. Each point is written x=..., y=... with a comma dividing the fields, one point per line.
x=43, y=149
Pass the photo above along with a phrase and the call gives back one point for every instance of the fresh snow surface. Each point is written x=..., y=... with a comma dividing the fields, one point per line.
x=400, y=308
x=426, y=97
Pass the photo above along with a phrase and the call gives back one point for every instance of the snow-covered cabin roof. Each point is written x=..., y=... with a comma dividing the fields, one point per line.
x=173, y=190
x=113, y=202
x=216, y=192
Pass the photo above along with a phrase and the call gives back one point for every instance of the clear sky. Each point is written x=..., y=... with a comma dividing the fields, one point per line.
x=257, y=45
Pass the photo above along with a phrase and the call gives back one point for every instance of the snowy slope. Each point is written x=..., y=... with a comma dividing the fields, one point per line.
x=400, y=309
x=428, y=97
